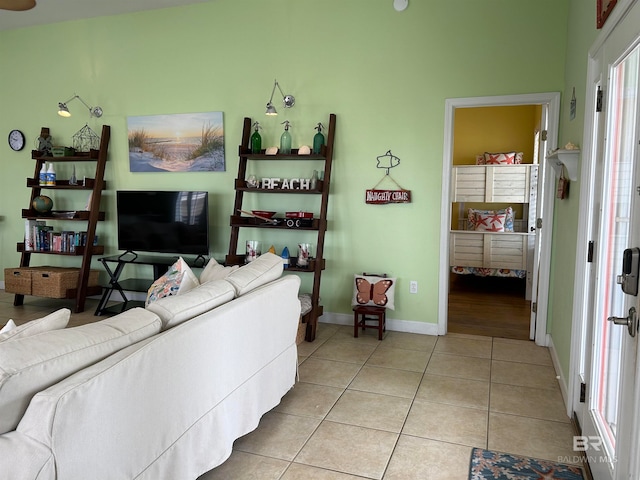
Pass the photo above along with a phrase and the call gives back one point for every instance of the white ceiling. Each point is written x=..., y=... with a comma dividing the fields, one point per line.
x=53, y=11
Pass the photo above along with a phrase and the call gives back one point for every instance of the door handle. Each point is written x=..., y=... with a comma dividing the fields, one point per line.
x=630, y=321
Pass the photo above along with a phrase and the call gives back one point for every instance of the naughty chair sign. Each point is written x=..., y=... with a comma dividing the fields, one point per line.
x=381, y=197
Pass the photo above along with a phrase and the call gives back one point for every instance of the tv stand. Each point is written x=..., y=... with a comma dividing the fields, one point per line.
x=160, y=265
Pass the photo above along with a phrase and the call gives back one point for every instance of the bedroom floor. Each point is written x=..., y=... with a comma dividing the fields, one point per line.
x=488, y=306
x=409, y=407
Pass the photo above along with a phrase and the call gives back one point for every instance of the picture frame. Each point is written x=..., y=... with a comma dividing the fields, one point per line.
x=603, y=10
x=180, y=142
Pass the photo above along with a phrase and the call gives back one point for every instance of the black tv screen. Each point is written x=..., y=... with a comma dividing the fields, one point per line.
x=163, y=222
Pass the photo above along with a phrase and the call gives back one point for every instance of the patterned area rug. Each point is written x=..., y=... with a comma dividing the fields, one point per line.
x=490, y=465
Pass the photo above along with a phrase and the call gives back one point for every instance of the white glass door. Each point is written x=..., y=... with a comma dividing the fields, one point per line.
x=609, y=412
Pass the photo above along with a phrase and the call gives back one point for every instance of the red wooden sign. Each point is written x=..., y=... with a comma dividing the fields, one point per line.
x=381, y=197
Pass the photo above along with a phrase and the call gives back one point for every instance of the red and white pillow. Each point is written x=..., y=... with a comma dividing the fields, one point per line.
x=506, y=158
x=478, y=219
x=490, y=222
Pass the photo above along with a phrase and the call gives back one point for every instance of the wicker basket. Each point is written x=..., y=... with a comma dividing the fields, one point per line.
x=17, y=280
x=54, y=282
x=302, y=331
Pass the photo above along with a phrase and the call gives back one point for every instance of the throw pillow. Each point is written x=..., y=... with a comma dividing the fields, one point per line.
x=508, y=221
x=480, y=160
x=54, y=321
x=10, y=325
x=264, y=269
x=490, y=222
x=374, y=291
x=175, y=310
x=214, y=271
x=31, y=364
x=508, y=158
x=178, y=279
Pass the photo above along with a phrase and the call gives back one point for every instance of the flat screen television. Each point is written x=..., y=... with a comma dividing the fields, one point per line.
x=163, y=221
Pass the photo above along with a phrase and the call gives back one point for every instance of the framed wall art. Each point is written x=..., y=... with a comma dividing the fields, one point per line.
x=603, y=10
x=183, y=142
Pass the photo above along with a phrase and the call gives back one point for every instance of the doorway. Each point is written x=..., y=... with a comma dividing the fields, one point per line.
x=605, y=364
x=505, y=292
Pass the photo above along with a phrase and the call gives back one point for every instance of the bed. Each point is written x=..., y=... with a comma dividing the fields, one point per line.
x=490, y=241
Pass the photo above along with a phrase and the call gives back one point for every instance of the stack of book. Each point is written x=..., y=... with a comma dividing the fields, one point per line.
x=40, y=237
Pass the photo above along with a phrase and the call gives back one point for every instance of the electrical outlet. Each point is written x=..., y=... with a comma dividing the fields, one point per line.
x=413, y=286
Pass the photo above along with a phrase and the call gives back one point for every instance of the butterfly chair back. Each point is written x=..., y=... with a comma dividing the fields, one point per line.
x=370, y=300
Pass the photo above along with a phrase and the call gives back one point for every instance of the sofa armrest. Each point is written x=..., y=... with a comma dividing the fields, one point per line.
x=24, y=458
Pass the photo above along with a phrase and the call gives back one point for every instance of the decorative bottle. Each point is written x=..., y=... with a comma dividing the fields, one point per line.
x=318, y=139
x=51, y=175
x=42, y=178
x=285, y=257
x=285, y=139
x=256, y=139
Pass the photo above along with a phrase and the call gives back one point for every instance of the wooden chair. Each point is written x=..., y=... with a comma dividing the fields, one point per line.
x=377, y=316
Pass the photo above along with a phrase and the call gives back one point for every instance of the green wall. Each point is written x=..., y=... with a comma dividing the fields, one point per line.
x=385, y=74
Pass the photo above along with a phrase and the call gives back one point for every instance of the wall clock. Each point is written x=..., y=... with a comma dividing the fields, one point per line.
x=16, y=140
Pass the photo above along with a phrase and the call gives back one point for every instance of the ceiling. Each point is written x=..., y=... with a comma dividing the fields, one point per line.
x=53, y=11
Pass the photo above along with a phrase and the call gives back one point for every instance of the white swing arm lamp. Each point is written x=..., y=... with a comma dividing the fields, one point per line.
x=63, y=110
x=287, y=100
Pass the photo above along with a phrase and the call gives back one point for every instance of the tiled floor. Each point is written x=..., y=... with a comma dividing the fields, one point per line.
x=409, y=407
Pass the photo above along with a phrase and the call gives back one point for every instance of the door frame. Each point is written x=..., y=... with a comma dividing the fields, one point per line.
x=552, y=100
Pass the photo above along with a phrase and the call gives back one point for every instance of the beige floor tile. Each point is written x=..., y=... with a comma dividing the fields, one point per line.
x=248, y=467
x=455, y=391
x=349, y=449
x=307, y=348
x=399, y=358
x=352, y=352
x=466, y=346
x=423, y=459
x=459, y=366
x=409, y=341
x=387, y=381
x=447, y=423
x=309, y=400
x=371, y=410
x=523, y=374
x=520, y=351
x=327, y=372
x=546, y=404
x=530, y=437
x=344, y=333
x=297, y=471
x=278, y=435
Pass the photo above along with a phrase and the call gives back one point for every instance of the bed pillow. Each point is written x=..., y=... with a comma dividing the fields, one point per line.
x=490, y=222
x=370, y=290
x=31, y=364
x=508, y=222
x=179, y=279
x=214, y=271
x=507, y=158
x=54, y=321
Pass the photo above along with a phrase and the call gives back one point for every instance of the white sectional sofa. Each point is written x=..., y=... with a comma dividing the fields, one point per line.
x=199, y=371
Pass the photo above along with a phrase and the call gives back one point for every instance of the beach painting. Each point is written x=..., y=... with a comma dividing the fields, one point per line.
x=182, y=142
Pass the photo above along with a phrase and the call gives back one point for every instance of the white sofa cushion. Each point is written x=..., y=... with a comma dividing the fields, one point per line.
x=33, y=363
x=214, y=271
x=54, y=321
x=177, y=309
x=264, y=269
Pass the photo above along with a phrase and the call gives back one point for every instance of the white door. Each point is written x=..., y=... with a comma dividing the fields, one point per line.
x=610, y=423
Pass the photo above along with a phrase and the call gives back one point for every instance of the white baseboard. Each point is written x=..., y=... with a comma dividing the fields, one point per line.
x=562, y=381
x=408, y=326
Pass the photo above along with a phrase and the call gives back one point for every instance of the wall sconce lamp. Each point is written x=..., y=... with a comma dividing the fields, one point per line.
x=63, y=111
x=287, y=100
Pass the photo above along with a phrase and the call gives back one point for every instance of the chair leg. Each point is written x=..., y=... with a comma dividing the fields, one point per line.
x=380, y=325
x=355, y=324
